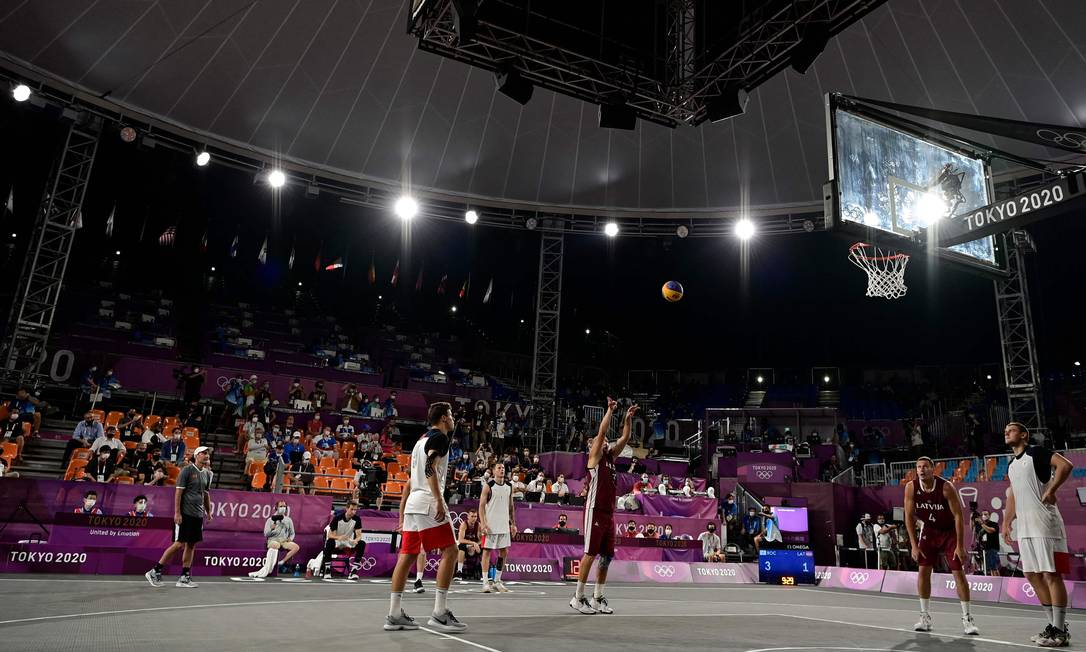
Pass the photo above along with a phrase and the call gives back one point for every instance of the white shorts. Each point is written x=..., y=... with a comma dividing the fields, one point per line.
x=1044, y=555
x=496, y=541
x=420, y=522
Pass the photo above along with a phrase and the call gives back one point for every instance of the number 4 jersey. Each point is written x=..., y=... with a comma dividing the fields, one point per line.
x=932, y=508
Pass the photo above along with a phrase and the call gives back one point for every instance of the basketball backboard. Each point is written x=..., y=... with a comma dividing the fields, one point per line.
x=890, y=184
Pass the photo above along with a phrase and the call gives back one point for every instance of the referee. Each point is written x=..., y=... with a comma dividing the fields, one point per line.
x=191, y=503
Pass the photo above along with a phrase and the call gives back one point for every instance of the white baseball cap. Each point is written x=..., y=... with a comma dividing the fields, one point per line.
x=307, y=455
x=201, y=449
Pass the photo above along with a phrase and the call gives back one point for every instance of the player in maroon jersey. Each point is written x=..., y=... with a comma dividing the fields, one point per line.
x=934, y=502
x=599, y=511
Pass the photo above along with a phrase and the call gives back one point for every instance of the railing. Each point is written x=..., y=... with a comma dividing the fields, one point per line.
x=874, y=475
x=847, y=477
x=899, y=470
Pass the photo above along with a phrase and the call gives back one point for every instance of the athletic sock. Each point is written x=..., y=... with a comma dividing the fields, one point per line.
x=394, y=604
x=418, y=576
x=497, y=576
x=924, y=605
x=597, y=592
x=1048, y=612
x=965, y=609
x=439, y=602
x=159, y=568
x=460, y=567
x=1059, y=618
x=186, y=572
x=580, y=590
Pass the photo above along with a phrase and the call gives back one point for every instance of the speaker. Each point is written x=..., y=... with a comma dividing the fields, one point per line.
x=512, y=85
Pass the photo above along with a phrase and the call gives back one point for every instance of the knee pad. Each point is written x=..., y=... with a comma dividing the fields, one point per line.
x=605, y=561
x=499, y=565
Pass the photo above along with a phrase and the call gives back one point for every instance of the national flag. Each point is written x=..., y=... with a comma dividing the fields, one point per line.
x=234, y=247
x=489, y=289
x=109, y=221
x=203, y=243
x=263, y=255
x=10, y=205
x=338, y=264
x=465, y=287
x=418, y=283
x=441, y=285
x=168, y=236
x=396, y=274
x=290, y=261
x=373, y=272
x=77, y=221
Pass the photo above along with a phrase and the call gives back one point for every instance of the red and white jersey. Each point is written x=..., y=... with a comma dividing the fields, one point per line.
x=601, y=484
x=420, y=499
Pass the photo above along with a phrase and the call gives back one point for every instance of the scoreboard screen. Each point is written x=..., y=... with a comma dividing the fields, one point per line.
x=786, y=566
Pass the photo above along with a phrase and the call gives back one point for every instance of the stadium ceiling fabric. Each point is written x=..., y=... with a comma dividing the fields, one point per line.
x=339, y=84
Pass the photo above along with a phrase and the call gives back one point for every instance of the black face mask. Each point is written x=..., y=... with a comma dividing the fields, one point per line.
x=631, y=528
x=562, y=523
x=712, y=529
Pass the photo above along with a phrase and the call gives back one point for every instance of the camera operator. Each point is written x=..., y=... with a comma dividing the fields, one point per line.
x=885, y=533
x=190, y=381
x=987, y=536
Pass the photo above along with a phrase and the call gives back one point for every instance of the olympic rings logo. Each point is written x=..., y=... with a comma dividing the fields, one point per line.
x=457, y=518
x=368, y=563
x=764, y=475
x=1028, y=590
x=1073, y=139
x=432, y=564
x=664, y=570
x=858, y=578
x=223, y=382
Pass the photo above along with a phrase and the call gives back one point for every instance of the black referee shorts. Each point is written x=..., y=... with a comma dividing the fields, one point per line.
x=191, y=529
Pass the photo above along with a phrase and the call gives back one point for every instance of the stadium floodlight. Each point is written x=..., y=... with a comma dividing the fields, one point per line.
x=588, y=331
x=299, y=284
x=522, y=321
x=1077, y=363
x=21, y=93
x=276, y=178
x=826, y=379
x=989, y=376
x=380, y=297
x=611, y=229
x=744, y=229
x=406, y=208
x=118, y=252
x=203, y=158
x=471, y=217
x=453, y=309
x=931, y=207
x=213, y=268
x=759, y=379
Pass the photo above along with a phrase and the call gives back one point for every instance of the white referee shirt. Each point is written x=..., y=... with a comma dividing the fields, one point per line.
x=1029, y=473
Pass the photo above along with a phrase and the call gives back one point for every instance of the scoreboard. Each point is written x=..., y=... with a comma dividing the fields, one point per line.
x=789, y=565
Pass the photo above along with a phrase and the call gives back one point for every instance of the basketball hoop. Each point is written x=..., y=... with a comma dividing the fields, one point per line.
x=885, y=269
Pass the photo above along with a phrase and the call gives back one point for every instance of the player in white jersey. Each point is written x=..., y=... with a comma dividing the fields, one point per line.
x=1038, y=526
x=425, y=523
x=499, y=522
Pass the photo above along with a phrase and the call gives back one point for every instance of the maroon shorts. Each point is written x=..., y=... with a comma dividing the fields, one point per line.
x=936, y=543
x=599, y=533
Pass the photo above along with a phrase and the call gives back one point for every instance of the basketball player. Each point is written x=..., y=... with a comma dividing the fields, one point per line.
x=425, y=523
x=935, y=503
x=467, y=541
x=191, y=505
x=599, y=525
x=499, y=526
x=1042, y=539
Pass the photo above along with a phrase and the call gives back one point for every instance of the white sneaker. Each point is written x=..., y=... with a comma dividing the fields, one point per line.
x=402, y=621
x=153, y=577
x=185, y=582
x=601, y=606
x=968, y=626
x=581, y=605
x=500, y=588
x=488, y=587
x=1037, y=638
x=924, y=625
x=446, y=622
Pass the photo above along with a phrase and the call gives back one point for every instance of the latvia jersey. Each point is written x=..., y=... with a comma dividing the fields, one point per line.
x=599, y=520
x=932, y=508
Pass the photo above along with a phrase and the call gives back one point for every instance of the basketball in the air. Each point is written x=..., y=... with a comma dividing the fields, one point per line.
x=672, y=291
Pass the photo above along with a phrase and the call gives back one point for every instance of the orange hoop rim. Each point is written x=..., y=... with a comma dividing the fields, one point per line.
x=854, y=249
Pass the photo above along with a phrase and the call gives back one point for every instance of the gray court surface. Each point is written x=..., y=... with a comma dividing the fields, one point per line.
x=125, y=613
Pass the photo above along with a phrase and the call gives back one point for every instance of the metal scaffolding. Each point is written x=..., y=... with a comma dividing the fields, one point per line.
x=34, y=305
x=548, y=311
x=1020, y=368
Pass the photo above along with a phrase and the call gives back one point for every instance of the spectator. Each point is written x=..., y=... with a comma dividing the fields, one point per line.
x=159, y=475
x=375, y=409
x=710, y=544
x=249, y=390
x=771, y=529
x=274, y=469
x=235, y=399
x=563, y=522
x=538, y=484
x=665, y=485
x=294, y=449
x=750, y=527
x=561, y=488
x=688, y=488
x=349, y=401
x=865, y=537
x=345, y=430
x=13, y=433
x=29, y=408
x=313, y=428
x=667, y=535
x=279, y=535
x=139, y=508
x=535, y=467
x=631, y=530
x=649, y=533
x=256, y=449
x=916, y=439
x=884, y=539
x=275, y=435
x=193, y=382
x=252, y=428
x=296, y=392
x=86, y=431
x=137, y=463
x=390, y=405
x=90, y=499
x=88, y=382
x=153, y=437
x=455, y=451
x=326, y=444
x=4, y=473
x=102, y=468
x=131, y=427
x=304, y=473
x=318, y=398
x=344, y=535
x=391, y=431
x=989, y=531
x=173, y=451
x=110, y=441
x=644, y=485
x=107, y=384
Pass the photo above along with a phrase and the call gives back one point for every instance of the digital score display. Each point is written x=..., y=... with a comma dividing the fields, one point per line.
x=787, y=566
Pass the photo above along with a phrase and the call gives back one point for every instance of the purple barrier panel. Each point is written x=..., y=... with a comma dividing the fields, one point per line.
x=664, y=572
x=678, y=506
x=1019, y=590
x=546, y=550
x=727, y=467
x=765, y=472
x=207, y=561
x=1078, y=596
x=621, y=571
x=686, y=555
x=44, y=558
x=572, y=465
x=703, y=573
x=856, y=579
x=982, y=588
x=111, y=531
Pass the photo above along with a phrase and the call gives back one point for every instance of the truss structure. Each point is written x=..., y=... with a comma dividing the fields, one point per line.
x=35, y=302
x=1020, y=368
x=548, y=313
x=760, y=51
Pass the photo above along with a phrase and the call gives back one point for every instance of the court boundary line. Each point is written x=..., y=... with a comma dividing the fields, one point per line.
x=461, y=640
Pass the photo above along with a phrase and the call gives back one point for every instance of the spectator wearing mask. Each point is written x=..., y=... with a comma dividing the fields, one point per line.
x=29, y=409
x=649, y=533
x=153, y=437
x=139, y=508
x=326, y=444
x=279, y=535
x=138, y=463
x=193, y=382
x=344, y=536
x=376, y=411
x=296, y=392
x=315, y=425
x=294, y=449
x=318, y=398
x=390, y=405
x=865, y=538
x=102, y=468
x=561, y=488
x=252, y=428
x=688, y=488
x=90, y=499
x=750, y=527
x=88, y=382
x=455, y=451
x=989, y=539
x=563, y=522
x=274, y=469
x=538, y=484
x=644, y=485
x=345, y=430
x=535, y=467
x=159, y=475
x=631, y=530
x=710, y=544
x=107, y=384
x=256, y=448
x=86, y=431
x=303, y=473
x=173, y=451
x=665, y=486
x=391, y=432
x=108, y=440
x=131, y=428
x=517, y=485
x=13, y=433
x=885, y=533
x=667, y=535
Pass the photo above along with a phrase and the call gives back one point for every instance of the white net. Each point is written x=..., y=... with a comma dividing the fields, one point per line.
x=885, y=270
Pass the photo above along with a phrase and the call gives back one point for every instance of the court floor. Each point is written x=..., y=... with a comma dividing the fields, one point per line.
x=125, y=613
